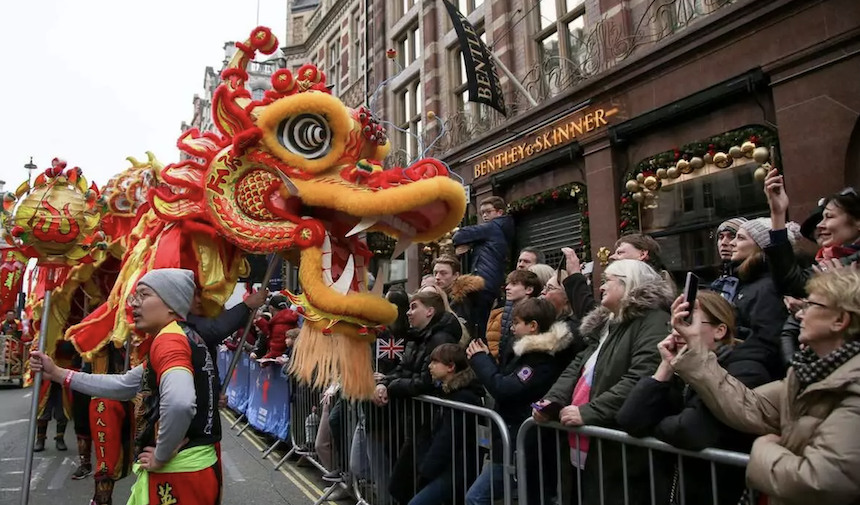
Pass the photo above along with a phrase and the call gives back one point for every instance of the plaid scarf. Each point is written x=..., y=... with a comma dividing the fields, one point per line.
x=809, y=368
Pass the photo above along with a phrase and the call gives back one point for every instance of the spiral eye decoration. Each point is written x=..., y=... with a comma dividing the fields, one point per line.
x=308, y=135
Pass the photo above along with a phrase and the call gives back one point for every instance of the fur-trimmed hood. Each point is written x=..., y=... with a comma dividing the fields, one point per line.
x=650, y=296
x=463, y=286
x=461, y=380
x=557, y=339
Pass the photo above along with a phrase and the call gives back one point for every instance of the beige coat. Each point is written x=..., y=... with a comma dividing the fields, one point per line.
x=817, y=459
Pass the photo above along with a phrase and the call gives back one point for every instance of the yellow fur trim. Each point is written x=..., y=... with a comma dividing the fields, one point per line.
x=317, y=103
x=321, y=360
x=388, y=202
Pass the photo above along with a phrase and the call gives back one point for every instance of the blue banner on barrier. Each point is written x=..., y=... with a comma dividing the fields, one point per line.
x=237, y=389
x=269, y=400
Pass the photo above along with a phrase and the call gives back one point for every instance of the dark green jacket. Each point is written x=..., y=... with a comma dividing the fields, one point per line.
x=628, y=354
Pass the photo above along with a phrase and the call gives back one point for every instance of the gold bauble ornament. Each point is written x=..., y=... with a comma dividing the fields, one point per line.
x=761, y=154
x=673, y=173
x=722, y=160
x=684, y=167
x=638, y=197
x=747, y=148
x=662, y=173
x=708, y=158
x=651, y=182
x=640, y=178
x=760, y=174
x=736, y=152
x=632, y=186
x=697, y=162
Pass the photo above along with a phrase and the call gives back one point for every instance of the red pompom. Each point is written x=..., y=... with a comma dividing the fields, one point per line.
x=17, y=231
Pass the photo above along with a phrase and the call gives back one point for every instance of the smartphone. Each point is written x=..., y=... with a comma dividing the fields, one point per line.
x=551, y=410
x=691, y=287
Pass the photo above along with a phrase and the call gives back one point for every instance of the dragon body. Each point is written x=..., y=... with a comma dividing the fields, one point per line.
x=295, y=173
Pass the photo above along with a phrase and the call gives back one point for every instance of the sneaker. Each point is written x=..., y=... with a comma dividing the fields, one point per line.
x=334, y=476
x=339, y=494
x=39, y=446
x=82, y=472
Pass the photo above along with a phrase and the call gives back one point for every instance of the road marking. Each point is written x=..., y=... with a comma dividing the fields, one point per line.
x=21, y=459
x=292, y=476
x=10, y=489
x=9, y=423
x=40, y=470
x=2, y=432
x=232, y=470
x=62, y=474
x=28, y=395
x=15, y=472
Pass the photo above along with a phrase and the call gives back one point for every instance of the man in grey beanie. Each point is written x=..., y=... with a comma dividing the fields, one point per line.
x=179, y=425
x=727, y=284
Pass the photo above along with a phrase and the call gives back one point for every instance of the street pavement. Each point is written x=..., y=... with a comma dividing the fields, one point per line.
x=247, y=477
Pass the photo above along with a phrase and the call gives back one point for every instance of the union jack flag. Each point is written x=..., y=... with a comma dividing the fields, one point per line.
x=389, y=348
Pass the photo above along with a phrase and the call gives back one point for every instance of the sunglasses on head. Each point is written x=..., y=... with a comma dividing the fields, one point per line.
x=845, y=192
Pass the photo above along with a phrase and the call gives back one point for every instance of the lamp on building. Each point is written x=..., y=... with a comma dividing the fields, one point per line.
x=30, y=167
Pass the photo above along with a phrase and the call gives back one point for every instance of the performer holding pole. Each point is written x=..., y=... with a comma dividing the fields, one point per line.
x=179, y=425
x=34, y=404
x=270, y=270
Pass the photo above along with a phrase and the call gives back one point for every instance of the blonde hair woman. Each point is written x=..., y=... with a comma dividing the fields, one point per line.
x=807, y=449
x=543, y=271
x=622, y=335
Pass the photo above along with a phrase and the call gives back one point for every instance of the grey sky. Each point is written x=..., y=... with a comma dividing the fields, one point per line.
x=94, y=81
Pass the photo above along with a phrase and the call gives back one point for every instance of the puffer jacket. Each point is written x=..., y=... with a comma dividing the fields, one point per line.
x=817, y=458
x=536, y=363
x=412, y=377
x=760, y=309
x=491, y=244
x=628, y=354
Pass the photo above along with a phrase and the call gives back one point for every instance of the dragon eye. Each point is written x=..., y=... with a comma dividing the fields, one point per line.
x=307, y=135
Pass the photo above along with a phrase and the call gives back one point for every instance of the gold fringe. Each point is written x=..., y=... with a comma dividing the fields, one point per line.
x=319, y=360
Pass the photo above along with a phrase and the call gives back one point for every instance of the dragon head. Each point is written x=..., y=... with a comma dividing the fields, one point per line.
x=298, y=170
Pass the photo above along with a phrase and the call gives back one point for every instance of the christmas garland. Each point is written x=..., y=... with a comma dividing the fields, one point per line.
x=641, y=184
x=563, y=193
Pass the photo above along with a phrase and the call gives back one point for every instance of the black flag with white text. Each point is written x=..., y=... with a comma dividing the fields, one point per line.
x=483, y=82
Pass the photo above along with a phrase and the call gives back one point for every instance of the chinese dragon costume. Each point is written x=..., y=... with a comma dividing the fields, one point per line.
x=296, y=173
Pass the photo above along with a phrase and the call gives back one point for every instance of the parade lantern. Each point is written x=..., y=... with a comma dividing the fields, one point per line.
x=55, y=221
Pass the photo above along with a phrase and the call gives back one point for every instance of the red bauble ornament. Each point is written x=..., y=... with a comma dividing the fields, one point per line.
x=17, y=231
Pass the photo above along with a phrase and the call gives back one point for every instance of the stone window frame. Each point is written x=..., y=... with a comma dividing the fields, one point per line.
x=567, y=13
x=409, y=110
x=333, y=62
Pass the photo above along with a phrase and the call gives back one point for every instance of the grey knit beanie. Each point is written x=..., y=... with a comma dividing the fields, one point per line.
x=731, y=225
x=759, y=230
x=175, y=287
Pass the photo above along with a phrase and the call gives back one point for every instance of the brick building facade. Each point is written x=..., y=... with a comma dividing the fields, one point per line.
x=670, y=80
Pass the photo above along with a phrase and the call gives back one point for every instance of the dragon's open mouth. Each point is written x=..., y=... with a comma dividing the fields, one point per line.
x=334, y=276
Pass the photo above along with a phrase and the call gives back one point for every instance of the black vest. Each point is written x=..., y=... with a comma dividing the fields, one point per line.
x=205, y=428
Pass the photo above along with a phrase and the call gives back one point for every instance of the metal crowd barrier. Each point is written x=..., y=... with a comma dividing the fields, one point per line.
x=657, y=464
x=373, y=452
x=13, y=356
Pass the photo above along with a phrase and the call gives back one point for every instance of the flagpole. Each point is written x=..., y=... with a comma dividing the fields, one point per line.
x=516, y=82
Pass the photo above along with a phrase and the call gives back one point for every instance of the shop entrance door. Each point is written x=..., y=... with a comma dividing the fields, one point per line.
x=548, y=230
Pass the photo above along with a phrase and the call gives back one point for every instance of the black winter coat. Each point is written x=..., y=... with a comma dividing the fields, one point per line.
x=580, y=295
x=674, y=413
x=788, y=273
x=451, y=444
x=761, y=310
x=465, y=296
x=537, y=362
x=411, y=377
x=491, y=243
